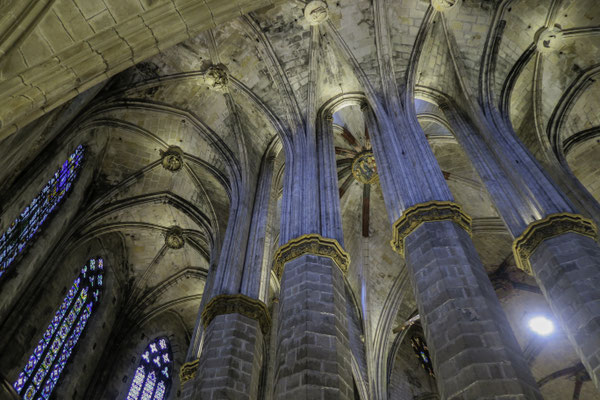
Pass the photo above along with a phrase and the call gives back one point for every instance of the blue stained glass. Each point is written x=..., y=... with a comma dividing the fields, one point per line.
x=149, y=386
x=156, y=361
x=160, y=391
x=66, y=353
x=18, y=235
x=50, y=356
x=136, y=385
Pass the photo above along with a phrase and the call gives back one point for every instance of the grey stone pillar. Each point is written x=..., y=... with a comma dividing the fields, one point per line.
x=566, y=265
x=235, y=320
x=473, y=348
x=562, y=253
x=474, y=351
x=313, y=357
x=232, y=355
x=572, y=290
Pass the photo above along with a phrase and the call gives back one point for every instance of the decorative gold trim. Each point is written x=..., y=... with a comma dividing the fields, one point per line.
x=187, y=371
x=311, y=243
x=553, y=225
x=237, y=304
x=359, y=160
x=430, y=211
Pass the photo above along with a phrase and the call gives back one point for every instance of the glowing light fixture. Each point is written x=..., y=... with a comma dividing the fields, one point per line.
x=541, y=325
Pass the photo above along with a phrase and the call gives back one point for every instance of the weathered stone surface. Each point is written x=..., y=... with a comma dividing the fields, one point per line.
x=473, y=348
x=313, y=357
x=568, y=270
x=231, y=360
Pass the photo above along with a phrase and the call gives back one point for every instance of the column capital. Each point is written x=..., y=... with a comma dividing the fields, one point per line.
x=237, y=304
x=430, y=211
x=188, y=371
x=553, y=225
x=311, y=243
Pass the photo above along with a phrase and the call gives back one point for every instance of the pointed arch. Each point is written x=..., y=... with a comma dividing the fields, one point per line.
x=50, y=356
x=22, y=230
x=152, y=378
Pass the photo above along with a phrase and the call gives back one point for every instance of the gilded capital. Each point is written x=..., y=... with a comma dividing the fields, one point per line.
x=553, y=225
x=188, y=371
x=430, y=211
x=310, y=244
x=237, y=304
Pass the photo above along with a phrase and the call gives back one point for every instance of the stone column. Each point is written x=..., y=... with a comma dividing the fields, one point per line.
x=231, y=360
x=474, y=351
x=553, y=243
x=313, y=358
x=562, y=252
x=235, y=320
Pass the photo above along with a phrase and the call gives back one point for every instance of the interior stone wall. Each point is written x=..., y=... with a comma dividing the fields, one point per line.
x=128, y=355
x=24, y=273
x=35, y=315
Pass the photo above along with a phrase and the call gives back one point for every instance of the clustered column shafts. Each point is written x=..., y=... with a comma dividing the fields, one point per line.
x=313, y=356
x=474, y=350
x=233, y=326
x=566, y=266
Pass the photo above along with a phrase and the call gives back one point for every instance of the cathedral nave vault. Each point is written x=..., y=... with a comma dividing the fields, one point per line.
x=246, y=165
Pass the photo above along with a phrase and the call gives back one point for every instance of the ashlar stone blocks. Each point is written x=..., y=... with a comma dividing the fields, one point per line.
x=475, y=353
x=567, y=268
x=231, y=360
x=313, y=356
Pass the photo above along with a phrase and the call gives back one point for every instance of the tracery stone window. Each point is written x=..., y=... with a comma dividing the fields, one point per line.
x=43, y=369
x=152, y=379
x=21, y=231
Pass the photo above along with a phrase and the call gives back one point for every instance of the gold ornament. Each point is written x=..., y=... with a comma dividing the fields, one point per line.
x=553, y=225
x=188, y=371
x=237, y=304
x=364, y=167
x=311, y=243
x=430, y=211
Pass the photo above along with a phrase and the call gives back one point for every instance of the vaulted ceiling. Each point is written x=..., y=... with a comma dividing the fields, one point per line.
x=222, y=120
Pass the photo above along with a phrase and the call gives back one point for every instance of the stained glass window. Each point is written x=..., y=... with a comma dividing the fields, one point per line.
x=50, y=356
x=21, y=231
x=152, y=378
x=422, y=353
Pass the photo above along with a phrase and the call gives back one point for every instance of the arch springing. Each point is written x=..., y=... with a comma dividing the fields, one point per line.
x=21, y=231
x=50, y=356
x=152, y=379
